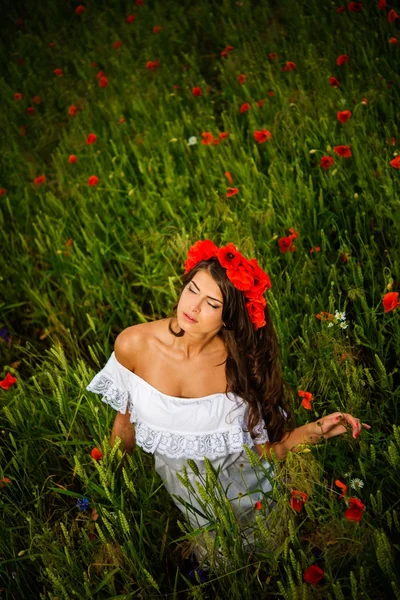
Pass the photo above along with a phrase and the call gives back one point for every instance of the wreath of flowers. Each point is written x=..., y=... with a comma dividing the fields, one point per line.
x=246, y=275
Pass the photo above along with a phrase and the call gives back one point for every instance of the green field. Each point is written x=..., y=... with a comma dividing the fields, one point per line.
x=232, y=121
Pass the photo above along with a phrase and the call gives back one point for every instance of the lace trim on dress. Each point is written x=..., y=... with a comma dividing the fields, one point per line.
x=116, y=397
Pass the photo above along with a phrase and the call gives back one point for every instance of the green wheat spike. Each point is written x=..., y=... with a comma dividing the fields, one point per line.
x=124, y=522
x=150, y=579
x=203, y=493
x=393, y=455
x=66, y=534
x=373, y=454
x=128, y=482
x=282, y=590
x=396, y=432
x=13, y=442
x=211, y=477
x=67, y=554
x=323, y=241
x=36, y=385
x=80, y=470
x=379, y=501
x=114, y=449
x=293, y=560
x=45, y=406
x=350, y=392
x=383, y=553
x=91, y=323
x=101, y=534
x=9, y=416
x=193, y=466
x=63, y=429
x=292, y=532
x=58, y=586
x=362, y=468
x=86, y=585
x=292, y=585
x=396, y=589
x=373, y=503
x=382, y=371
x=396, y=520
x=389, y=520
x=337, y=589
x=109, y=527
x=222, y=518
x=286, y=548
x=354, y=586
x=369, y=377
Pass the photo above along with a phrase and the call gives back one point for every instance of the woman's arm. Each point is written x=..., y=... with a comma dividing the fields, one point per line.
x=123, y=428
x=312, y=433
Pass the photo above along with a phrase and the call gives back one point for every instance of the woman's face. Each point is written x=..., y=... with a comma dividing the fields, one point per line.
x=200, y=305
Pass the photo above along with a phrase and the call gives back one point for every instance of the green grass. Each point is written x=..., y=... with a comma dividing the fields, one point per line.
x=79, y=264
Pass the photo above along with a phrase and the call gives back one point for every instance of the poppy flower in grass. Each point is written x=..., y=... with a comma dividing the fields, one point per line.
x=3, y=192
x=381, y=4
x=196, y=91
x=8, y=382
x=242, y=278
x=313, y=574
x=342, y=59
x=227, y=50
x=208, y=138
x=262, y=136
x=260, y=103
x=271, y=93
x=326, y=162
x=58, y=72
x=324, y=316
x=52, y=45
x=39, y=180
x=96, y=454
x=201, y=250
x=242, y=78
x=152, y=65
x=342, y=486
x=216, y=141
x=393, y=41
x=117, y=44
x=258, y=505
x=156, y=29
x=261, y=282
x=37, y=99
x=343, y=151
x=72, y=159
x=297, y=500
x=231, y=191
x=80, y=9
x=333, y=82
x=355, y=7
x=4, y=481
x=229, y=177
x=130, y=18
x=344, y=115
x=73, y=110
x=93, y=180
x=30, y=111
x=355, y=510
x=286, y=244
x=392, y=15
x=315, y=249
x=289, y=66
x=229, y=257
x=103, y=81
x=139, y=2
x=91, y=138
x=307, y=399
x=395, y=163
x=256, y=310
x=99, y=74
x=223, y=135
x=18, y=96
x=340, y=9
x=390, y=301
x=244, y=107
x=273, y=56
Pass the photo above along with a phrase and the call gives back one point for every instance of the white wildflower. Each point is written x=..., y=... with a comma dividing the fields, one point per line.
x=192, y=140
x=340, y=315
x=312, y=151
x=356, y=483
x=330, y=324
x=344, y=325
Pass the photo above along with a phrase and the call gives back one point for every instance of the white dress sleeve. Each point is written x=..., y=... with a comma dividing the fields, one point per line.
x=114, y=383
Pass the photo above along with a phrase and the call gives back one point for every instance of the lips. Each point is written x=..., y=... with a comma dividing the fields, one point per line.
x=189, y=318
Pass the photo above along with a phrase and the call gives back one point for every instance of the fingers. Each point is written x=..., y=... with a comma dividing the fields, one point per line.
x=338, y=423
x=354, y=423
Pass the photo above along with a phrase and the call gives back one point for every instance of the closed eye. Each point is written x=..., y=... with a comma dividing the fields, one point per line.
x=212, y=305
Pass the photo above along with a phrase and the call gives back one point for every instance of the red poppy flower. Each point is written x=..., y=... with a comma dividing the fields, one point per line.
x=326, y=162
x=93, y=180
x=21, y=62
x=117, y=44
x=390, y=301
x=201, y=250
x=3, y=192
x=343, y=151
x=4, y=481
x=130, y=18
x=344, y=115
x=260, y=103
x=242, y=278
x=289, y=66
x=242, y=78
x=30, y=110
x=273, y=56
x=392, y=15
x=152, y=65
x=226, y=50
x=395, y=163
x=355, y=7
x=100, y=74
x=286, y=243
x=52, y=45
x=307, y=399
x=340, y=10
x=223, y=135
x=393, y=40
x=355, y=510
x=261, y=282
x=122, y=120
x=103, y=81
x=196, y=91
x=245, y=107
x=313, y=574
x=93, y=65
x=344, y=257
x=342, y=486
x=73, y=110
x=58, y=72
x=91, y=138
x=157, y=29
x=231, y=191
x=297, y=500
x=229, y=177
x=22, y=130
x=72, y=159
x=208, y=138
x=381, y=4
x=343, y=58
x=262, y=136
x=139, y=2
x=333, y=82
x=80, y=9
x=39, y=180
x=96, y=454
x=271, y=93
x=256, y=310
x=258, y=505
x=8, y=382
x=18, y=96
x=229, y=256
x=37, y=99
x=315, y=249
x=324, y=316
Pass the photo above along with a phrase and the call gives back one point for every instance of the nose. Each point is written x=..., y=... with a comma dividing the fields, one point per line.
x=196, y=306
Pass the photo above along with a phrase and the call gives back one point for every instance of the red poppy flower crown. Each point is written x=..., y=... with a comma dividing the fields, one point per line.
x=246, y=275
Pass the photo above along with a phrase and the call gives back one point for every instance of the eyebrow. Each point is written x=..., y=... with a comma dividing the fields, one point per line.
x=211, y=298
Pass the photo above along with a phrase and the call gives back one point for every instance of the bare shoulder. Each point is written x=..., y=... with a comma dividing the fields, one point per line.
x=133, y=342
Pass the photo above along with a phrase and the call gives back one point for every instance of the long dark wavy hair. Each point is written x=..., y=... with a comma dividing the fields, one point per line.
x=253, y=365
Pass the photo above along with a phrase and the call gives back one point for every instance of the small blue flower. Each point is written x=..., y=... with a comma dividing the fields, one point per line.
x=202, y=574
x=82, y=503
x=5, y=334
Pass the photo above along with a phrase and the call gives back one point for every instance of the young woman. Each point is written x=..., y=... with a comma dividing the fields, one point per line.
x=206, y=381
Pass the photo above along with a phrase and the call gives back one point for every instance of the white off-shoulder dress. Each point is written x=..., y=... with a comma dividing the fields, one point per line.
x=176, y=429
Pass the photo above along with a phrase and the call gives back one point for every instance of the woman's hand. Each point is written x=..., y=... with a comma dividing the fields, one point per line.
x=335, y=424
